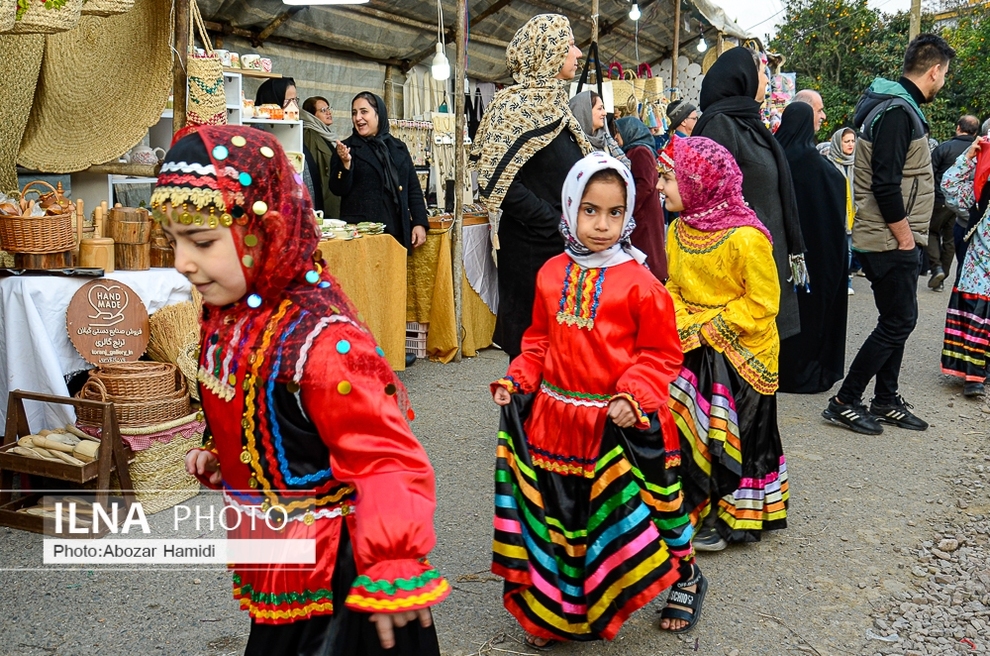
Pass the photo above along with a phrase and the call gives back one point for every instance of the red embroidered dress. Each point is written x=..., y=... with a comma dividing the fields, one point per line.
x=578, y=363
x=306, y=416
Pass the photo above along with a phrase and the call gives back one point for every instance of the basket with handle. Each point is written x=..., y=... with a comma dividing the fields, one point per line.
x=652, y=86
x=139, y=380
x=624, y=93
x=45, y=18
x=135, y=412
x=37, y=234
x=106, y=7
x=207, y=104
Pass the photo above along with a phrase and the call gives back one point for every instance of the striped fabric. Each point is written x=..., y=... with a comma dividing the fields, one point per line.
x=727, y=454
x=579, y=555
x=966, y=341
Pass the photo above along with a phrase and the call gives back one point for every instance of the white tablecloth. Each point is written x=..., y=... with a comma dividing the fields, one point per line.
x=479, y=266
x=35, y=352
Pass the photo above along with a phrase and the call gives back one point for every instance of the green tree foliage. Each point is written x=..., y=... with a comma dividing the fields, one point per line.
x=838, y=47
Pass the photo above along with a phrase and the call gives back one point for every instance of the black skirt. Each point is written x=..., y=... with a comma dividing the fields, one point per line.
x=346, y=632
x=734, y=472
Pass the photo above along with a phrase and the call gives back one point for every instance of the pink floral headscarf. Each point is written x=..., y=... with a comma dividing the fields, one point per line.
x=710, y=184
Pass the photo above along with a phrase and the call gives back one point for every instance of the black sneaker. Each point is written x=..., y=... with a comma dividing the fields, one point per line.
x=973, y=389
x=708, y=539
x=853, y=416
x=938, y=275
x=898, y=415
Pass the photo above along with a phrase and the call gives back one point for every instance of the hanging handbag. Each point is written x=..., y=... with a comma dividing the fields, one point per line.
x=207, y=102
x=601, y=78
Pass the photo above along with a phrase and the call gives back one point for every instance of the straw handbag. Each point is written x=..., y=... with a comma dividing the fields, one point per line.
x=41, y=17
x=207, y=104
x=624, y=92
x=652, y=86
x=8, y=9
x=106, y=7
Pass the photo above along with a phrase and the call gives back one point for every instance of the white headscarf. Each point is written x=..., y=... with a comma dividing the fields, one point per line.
x=570, y=197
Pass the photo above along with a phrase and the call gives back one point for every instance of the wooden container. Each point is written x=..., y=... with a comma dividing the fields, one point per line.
x=98, y=253
x=61, y=260
x=130, y=225
x=162, y=257
x=132, y=257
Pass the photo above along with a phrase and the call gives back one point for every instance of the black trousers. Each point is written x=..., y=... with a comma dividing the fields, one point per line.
x=941, y=241
x=894, y=278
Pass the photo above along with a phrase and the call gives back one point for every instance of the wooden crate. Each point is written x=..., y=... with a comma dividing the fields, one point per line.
x=112, y=456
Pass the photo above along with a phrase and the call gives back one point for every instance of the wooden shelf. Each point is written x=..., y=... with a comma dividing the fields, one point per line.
x=247, y=72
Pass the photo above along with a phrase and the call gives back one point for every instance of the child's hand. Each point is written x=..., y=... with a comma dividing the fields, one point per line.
x=621, y=412
x=200, y=462
x=385, y=622
x=502, y=396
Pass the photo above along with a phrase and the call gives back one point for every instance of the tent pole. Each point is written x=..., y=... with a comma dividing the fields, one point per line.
x=594, y=27
x=179, y=82
x=675, y=52
x=460, y=171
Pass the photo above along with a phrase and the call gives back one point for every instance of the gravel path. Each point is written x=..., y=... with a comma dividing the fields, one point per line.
x=886, y=551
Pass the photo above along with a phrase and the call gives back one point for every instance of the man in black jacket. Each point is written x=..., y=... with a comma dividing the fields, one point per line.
x=895, y=194
x=941, y=244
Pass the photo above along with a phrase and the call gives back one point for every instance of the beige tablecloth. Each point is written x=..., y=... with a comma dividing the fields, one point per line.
x=372, y=272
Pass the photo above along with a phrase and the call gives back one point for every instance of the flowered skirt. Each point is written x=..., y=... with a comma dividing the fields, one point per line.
x=966, y=340
x=734, y=464
x=579, y=555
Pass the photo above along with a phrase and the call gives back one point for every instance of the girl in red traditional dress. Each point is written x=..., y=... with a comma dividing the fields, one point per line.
x=306, y=417
x=589, y=523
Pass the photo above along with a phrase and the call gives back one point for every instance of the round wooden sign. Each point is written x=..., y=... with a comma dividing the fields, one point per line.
x=107, y=322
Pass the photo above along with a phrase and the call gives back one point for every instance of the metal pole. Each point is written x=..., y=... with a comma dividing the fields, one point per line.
x=460, y=171
x=676, y=48
x=179, y=81
x=915, y=20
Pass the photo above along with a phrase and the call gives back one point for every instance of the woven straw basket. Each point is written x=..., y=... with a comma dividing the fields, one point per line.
x=139, y=380
x=37, y=234
x=157, y=462
x=106, y=7
x=39, y=20
x=8, y=9
x=132, y=413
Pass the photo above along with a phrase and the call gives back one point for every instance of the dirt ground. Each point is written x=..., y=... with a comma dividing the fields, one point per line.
x=861, y=507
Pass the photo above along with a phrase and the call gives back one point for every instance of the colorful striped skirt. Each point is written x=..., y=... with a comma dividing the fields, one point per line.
x=967, y=336
x=733, y=457
x=579, y=555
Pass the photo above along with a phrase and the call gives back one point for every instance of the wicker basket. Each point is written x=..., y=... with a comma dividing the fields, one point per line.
x=106, y=7
x=134, y=412
x=37, y=234
x=40, y=20
x=139, y=380
x=156, y=462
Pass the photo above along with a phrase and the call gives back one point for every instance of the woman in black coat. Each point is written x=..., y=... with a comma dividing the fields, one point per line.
x=813, y=360
x=373, y=174
x=731, y=95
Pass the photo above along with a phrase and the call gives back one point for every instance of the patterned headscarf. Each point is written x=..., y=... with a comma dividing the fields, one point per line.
x=710, y=184
x=240, y=178
x=524, y=118
x=570, y=197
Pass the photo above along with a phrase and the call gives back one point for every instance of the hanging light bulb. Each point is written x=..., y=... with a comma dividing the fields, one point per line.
x=702, y=46
x=441, y=67
x=635, y=13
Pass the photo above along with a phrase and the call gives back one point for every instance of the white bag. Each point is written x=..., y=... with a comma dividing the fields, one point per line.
x=606, y=93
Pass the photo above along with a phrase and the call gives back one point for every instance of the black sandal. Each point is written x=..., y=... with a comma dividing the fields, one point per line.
x=547, y=646
x=681, y=597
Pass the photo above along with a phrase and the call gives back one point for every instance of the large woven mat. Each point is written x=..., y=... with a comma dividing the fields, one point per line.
x=21, y=62
x=103, y=84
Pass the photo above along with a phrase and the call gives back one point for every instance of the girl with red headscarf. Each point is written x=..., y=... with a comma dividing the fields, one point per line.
x=306, y=418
